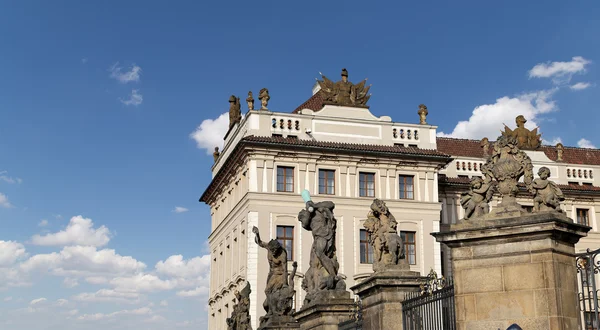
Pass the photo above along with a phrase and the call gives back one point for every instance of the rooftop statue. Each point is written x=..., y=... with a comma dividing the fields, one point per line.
x=506, y=166
x=235, y=112
x=321, y=281
x=422, y=114
x=383, y=236
x=264, y=98
x=250, y=101
x=240, y=316
x=560, y=151
x=279, y=290
x=216, y=154
x=526, y=139
x=344, y=92
x=547, y=194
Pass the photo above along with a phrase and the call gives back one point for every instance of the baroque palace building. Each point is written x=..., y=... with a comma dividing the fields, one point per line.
x=333, y=146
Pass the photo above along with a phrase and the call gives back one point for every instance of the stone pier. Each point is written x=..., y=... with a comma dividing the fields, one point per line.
x=326, y=314
x=518, y=270
x=382, y=295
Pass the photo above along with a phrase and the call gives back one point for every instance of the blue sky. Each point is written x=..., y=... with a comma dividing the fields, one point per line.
x=103, y=107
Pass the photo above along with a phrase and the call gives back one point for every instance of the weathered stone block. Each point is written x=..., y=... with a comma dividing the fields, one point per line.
x=476, y=280
x=523, y=276
x=505, y=305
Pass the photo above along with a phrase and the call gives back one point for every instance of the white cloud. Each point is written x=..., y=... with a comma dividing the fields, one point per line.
x=108, y=295
x=164, y=303
x=100, y=316
x=4, y=201
x=8, y=179
x=175, y=266
x=486, y=120
x=142, y=283
x=560, y=72
x=8, y=299
x=61, y=302
x=135, y=98
x=80, y=231
x=84, y=60
x=552, y=142
x=210, y=133
x=580, y=86
x=156, y=319
x=10, y=252
x=37, y=301
x=43, y=223
x=199, y=291
x=132, y=75
x=83, y=261
x=584, y=143
x=180, y=209
x=70, y=283
x=96, y=280
x=73, y=312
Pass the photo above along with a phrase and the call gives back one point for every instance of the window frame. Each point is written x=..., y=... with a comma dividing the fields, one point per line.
x=282, y=240
x=406, y=243
x=284, y=183
x=402, y=181
x=583, y=211
x=369, y=253
x=366, y=182
x=326, y=186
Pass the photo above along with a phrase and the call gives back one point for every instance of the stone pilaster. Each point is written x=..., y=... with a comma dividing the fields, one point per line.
x=518, y=270
x=382, y=295
x=326, y=315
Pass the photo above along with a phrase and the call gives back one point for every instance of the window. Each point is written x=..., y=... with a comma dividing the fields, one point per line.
x=528, y=208
x=285, y=179
x=406, y=187
x=582, y=217
x=410, y=247
x=591, y=323
x=366, y=250
x=285, y=236
x=327, y=182
x=366, y=184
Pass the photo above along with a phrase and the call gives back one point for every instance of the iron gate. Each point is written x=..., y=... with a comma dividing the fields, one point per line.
x=587, y=267
x=432, y=308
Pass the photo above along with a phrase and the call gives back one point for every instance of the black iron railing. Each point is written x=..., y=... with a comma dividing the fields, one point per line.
x=588, y=266
x=432, y=308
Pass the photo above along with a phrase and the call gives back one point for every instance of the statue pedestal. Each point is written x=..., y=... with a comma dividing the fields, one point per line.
x=280, y=323
x=326, y=314
x=382, y=295
x=515, y=270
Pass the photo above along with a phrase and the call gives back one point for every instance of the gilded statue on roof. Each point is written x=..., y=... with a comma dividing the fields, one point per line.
x=344, y=92
x=526, y=139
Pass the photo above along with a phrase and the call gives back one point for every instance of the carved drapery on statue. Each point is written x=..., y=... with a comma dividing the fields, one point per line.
x=547, y=195
x=321, y=281
x=240, y=316
x=235, y=112
x=526, y=139
x=344, y=92
x=383, y=236
x=280, y=289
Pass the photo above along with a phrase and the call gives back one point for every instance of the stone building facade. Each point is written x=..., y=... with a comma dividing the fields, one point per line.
x=345, y=154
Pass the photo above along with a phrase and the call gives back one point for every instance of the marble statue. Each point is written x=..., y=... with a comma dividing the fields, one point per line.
x=250, y=101
x=264, y=98
x=240, y=316
x=547, y=196
x=475, y=201
x=423, y=114
x=506, y=166
x=526, y=139
x=235, y=113
x=560, y=151
x=216, y=154
x=280, y=289
x=321, y=281
x=344, y=92
x=383, y=236
x=485, y=145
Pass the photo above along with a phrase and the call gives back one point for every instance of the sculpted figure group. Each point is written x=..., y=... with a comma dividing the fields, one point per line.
x=383, y=236
x=240, y=316
x=344, y=92
x=504, y=167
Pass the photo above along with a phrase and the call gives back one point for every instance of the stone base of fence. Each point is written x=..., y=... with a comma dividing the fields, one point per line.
x=382, y=294
x=515, y=270
x=280, y=323
x=327, y=315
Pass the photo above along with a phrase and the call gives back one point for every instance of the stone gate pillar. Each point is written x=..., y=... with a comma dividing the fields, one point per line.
x=515, y=270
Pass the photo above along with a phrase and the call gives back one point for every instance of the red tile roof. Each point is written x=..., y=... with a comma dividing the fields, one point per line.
x=314, y=103
x=363, y=148
x=472, y=148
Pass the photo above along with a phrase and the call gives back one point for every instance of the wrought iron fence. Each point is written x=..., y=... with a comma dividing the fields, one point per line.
x=432, y=308
x=356, y=321
x=588, y=267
